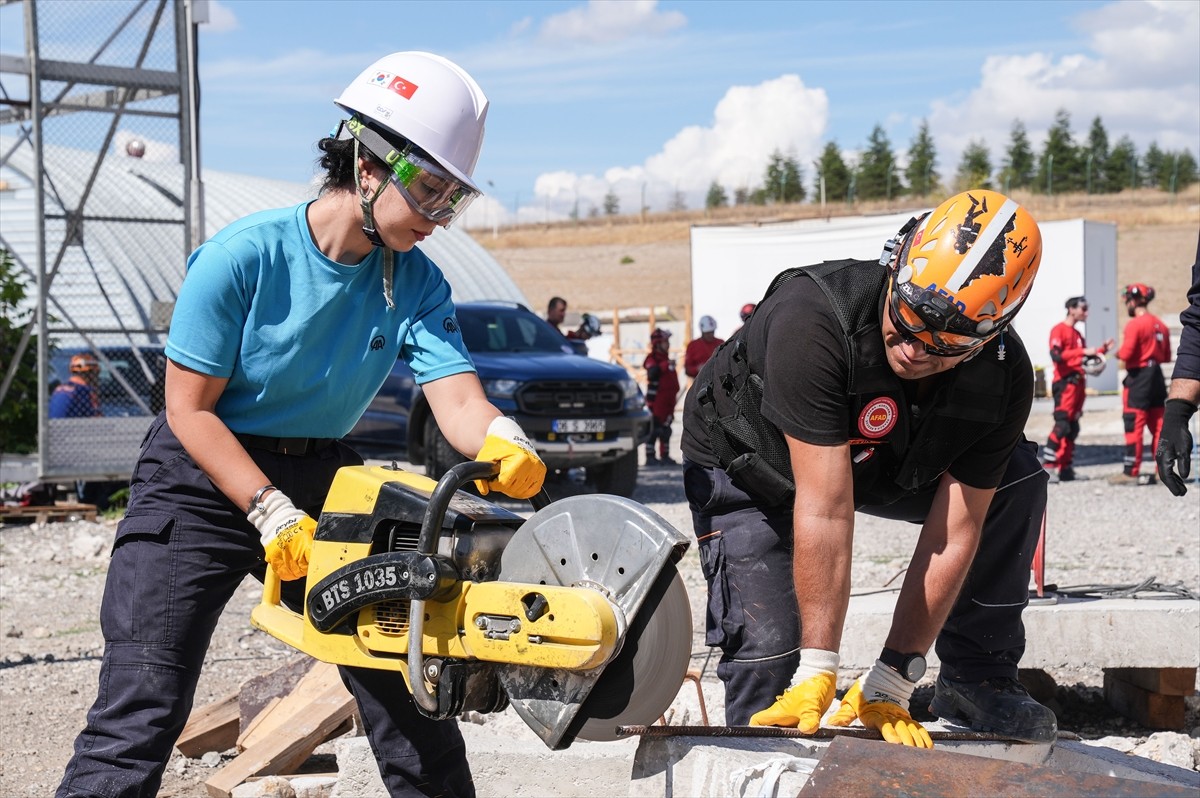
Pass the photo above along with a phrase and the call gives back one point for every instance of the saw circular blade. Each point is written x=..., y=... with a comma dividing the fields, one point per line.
x=642, y=681
x=625, y=550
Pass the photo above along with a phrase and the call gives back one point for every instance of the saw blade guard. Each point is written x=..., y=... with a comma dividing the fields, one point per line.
x=627, y=552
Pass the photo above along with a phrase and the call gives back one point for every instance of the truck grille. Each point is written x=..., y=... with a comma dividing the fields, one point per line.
x=570, y=397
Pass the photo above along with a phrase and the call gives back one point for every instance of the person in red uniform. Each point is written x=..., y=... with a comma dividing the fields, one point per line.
x=1145, y=347
x=662, y=389
x=1072, y=357
x=699, y=350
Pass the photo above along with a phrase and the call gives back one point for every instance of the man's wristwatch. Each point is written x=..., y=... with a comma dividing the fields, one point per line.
x=910, y=666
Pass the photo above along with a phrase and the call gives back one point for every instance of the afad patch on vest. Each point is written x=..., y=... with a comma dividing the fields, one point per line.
x=878, y=417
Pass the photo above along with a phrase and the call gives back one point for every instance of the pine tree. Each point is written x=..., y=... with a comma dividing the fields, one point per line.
x=1121, y=167
x=612, y=204
x=716, y=198
x=975, y=168
x=1186, y=170
x=921, y=173
x=1095, y=157
x=833, y=168
x=877, y=176
x=1153, y=165
x=1019, y=165
x=1060, y=167
x=783, y=181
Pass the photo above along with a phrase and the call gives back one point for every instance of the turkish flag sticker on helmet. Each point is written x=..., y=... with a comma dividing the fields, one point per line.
x=404, y=88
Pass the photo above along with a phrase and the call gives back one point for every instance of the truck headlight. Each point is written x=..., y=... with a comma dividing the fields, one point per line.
x=500, y=389
x=631, y=392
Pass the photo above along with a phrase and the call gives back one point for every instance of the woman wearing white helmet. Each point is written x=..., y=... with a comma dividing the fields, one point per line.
x=286, y=326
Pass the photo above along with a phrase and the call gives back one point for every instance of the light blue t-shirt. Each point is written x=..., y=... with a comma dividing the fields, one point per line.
x=305, y=341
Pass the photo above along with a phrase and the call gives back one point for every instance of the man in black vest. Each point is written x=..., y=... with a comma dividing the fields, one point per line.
x=896, y=388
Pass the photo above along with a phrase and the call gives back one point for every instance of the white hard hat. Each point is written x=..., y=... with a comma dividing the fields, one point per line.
x=427, y=100
x=1093, y=365
x=708, y=324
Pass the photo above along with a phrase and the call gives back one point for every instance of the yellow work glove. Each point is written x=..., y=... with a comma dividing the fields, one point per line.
x=888, y=709
x=521, y=470
x=803, y=704
x=287, y=534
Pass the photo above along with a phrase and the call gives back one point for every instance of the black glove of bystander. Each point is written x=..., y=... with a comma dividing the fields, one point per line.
x=1175, y=445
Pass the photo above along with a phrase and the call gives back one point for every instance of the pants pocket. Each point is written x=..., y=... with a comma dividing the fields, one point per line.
x=141, y=577
x=723, y=618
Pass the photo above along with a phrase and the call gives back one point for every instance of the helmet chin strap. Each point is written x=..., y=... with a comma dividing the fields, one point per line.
x=368, y=228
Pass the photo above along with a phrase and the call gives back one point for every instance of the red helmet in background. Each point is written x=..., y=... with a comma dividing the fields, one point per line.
x=660, y=334
x=1138, y=292
x=747, y=309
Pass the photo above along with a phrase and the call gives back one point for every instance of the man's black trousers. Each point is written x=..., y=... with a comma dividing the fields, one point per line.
x=746, y=554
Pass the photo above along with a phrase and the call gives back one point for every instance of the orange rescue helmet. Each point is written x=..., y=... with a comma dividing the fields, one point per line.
x=960, y=273
x=85, y=363
x=1139, y=293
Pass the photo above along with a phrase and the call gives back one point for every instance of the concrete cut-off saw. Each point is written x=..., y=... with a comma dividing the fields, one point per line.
x=576, y=617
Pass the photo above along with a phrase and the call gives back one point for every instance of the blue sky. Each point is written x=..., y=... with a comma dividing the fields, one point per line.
x=642, y=96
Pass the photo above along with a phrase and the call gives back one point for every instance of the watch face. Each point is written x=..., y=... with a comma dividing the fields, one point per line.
x=914, y=668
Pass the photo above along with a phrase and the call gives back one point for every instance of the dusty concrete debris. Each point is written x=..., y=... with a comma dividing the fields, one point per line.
x=1171, y=748
x=266, y=787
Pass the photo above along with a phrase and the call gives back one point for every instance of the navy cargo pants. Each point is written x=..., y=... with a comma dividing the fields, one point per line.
x=180, y=553
x=746, y=555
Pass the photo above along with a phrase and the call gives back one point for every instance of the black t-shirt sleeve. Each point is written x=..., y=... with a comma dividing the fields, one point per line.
x=803, y=364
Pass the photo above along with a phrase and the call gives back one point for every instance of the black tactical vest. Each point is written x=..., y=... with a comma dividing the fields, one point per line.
x=894, y=450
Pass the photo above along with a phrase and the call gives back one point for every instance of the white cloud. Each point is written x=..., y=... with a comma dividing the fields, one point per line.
x=749, y=124
x=604, y=21
x=221, y=18
x=1141, y=76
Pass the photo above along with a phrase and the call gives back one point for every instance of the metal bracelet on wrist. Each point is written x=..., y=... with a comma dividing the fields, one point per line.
x=256, y=502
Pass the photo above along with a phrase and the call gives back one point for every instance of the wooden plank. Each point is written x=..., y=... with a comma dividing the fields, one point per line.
x=276, y=752
x=42, y=514
x=212, y=727
x=283, y=712
x=1155, y=710
x=1168, y=681
x=255, y=723
x=258, y=691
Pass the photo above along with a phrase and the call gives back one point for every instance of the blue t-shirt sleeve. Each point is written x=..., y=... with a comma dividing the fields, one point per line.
x=434, y=346
x=210, y=312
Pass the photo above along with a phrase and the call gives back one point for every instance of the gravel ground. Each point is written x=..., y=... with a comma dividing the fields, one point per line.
x=52, y=576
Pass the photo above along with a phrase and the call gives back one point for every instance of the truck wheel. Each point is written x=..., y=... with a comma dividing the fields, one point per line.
x=440, y=456
x=618, y=477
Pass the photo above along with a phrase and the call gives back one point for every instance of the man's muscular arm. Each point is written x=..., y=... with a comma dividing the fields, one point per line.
x=939, y=564
x=823, y=537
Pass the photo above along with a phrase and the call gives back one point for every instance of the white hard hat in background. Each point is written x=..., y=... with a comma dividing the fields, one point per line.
x=1093, y=365
x=428, y=100
x=708, y=324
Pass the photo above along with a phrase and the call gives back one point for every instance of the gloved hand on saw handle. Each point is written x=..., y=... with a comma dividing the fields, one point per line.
x=804, y=703
x=287, y=534
x=521, y=470
x=880, y=701
x=1175, y=445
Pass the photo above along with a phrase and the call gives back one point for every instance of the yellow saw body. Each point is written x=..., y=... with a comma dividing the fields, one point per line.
x=506, y=610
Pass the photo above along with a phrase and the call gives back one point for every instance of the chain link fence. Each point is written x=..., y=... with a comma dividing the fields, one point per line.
x=96, y=158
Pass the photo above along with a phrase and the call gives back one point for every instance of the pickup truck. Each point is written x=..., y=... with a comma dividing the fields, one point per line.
x=579, y=412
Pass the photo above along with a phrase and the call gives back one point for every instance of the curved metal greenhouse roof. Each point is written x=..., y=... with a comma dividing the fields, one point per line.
x=112, y=277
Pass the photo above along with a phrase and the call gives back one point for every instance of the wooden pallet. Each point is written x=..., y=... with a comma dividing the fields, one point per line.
x=60, y=511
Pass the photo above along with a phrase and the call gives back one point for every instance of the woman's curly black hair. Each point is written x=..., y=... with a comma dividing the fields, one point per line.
x=337, y=159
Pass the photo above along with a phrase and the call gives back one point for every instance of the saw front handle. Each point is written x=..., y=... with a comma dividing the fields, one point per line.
x=427, y=544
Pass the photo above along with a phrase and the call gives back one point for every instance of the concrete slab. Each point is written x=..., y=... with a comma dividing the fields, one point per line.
x=1104, y=633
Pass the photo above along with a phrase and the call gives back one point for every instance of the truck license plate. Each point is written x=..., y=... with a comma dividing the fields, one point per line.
x=578, y=425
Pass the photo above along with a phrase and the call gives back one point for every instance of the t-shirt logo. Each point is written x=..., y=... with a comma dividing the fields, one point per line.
x=877, y=418
x=450, y=324
x=377, y=343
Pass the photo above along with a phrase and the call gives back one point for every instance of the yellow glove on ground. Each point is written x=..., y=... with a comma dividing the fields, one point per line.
x=803, y=704
x=521, y=470
x=891, y=719
x=287, y=535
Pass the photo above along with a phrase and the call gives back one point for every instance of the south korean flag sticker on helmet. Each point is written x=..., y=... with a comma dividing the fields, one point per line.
x=878, y=418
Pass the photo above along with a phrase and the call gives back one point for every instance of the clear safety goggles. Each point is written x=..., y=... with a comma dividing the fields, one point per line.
x=919, y=314
x=427, y=187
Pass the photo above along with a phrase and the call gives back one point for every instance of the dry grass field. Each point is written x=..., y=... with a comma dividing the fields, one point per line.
x=627, y=261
